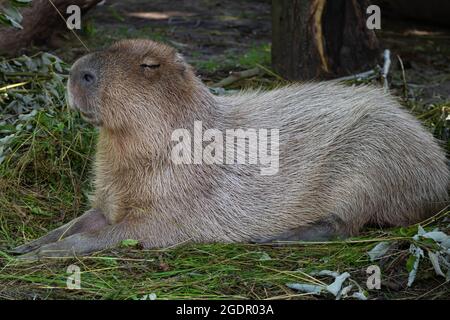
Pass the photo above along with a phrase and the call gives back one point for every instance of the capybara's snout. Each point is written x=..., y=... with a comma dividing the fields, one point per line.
x=83, y=86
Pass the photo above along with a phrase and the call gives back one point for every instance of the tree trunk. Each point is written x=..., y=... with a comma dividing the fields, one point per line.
x=40, y=21
x=320, y=39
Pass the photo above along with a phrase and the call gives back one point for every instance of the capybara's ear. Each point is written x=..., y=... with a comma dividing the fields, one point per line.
x=149, y=64
x=180, y=62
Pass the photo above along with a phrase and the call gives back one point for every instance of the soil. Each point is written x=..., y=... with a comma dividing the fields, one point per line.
x=203, y=30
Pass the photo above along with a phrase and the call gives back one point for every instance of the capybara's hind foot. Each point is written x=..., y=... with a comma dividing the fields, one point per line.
x=319, y=231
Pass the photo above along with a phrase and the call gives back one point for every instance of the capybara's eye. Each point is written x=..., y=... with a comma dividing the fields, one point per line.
x=150, y=66
x=88, y=78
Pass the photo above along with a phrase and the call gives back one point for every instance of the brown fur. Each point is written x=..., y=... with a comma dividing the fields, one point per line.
x=348, y=157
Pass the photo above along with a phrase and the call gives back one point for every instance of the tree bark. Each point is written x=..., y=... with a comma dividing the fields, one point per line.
x=40, y=21
x=320, y=39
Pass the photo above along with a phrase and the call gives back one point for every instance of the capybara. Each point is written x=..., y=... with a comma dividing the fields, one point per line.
x=345, y=157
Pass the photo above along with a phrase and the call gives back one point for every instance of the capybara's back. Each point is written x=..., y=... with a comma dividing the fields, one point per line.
x=349, y=157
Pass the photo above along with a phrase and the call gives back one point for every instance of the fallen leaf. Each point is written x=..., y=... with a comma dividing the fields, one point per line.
x=379, y=251
x=336, y=286
x=434, y=258
x=417, y=253
x=307, y=288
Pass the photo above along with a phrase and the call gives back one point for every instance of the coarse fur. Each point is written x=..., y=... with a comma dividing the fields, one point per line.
x=348, y=157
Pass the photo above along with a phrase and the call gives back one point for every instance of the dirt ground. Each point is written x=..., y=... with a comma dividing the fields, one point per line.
x=425, y=53
x=210, y=33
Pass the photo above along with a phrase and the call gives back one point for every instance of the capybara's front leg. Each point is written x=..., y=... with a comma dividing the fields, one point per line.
x=107, y=237
x=91, y=220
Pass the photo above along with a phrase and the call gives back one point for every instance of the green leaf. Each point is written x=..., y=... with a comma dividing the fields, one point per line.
x=410, y=263
x=129, y=243
x=13, y=15
x=408, y=231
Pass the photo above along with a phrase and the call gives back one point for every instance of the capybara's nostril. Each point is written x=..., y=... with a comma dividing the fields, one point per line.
x=87, y=78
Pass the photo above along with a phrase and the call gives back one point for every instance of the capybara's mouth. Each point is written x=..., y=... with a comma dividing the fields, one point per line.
x=70, y=96
x=87, y=116
x=76, y=104
x=90, y=117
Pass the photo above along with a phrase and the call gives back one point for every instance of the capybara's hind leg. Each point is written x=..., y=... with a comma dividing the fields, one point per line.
x=91, y=220
x=323, y=230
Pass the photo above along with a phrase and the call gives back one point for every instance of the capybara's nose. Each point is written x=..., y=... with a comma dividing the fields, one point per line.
x=87, y=78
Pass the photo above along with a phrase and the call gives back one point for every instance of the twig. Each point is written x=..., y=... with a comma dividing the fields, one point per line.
x=270, y=72
x=13, y=85
x=422, y=86
x=26, y=74
x=370, y=74
x=430, y=112
x=65, y=22
x=386, y=66
x=359, y=76
x=405, y=86
x=236, y=76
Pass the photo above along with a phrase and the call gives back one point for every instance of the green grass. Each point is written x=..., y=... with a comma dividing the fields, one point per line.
x=216, y=271
x=254, y=56
x=45, y=180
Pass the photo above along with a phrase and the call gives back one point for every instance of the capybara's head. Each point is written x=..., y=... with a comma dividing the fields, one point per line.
x=132, y=83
